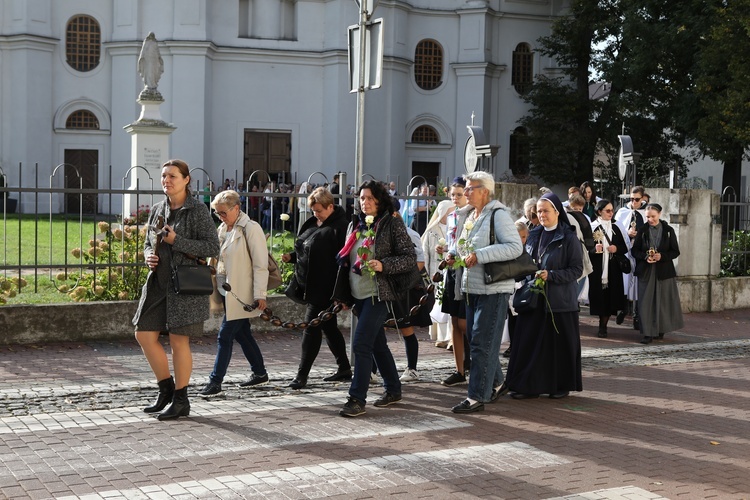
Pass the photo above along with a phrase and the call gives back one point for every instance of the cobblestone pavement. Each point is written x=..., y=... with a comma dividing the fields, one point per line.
x=667, y=420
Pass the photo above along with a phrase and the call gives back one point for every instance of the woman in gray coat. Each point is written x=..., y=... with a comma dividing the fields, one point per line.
x=179, y=227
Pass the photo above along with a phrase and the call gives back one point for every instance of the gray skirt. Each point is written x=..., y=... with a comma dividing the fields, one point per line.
x=659, y=307
x=154, y=314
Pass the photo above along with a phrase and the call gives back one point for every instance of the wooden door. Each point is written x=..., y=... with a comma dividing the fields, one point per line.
x=86, y=163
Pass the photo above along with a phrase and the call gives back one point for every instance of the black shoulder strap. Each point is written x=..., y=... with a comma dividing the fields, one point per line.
x=492, y=226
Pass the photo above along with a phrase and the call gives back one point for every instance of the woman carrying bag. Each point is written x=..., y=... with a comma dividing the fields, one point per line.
x=314, y=257
x=243, y=265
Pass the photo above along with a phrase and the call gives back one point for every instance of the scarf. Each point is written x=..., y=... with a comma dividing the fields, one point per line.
x=343, y=256
x=606, y=226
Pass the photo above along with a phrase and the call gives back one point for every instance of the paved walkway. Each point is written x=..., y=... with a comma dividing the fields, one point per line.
x=667, y=420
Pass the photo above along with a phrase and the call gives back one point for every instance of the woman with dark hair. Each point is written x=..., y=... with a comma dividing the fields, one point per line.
x=606, y=288
x=377, y=259
x=314, y=257
x=589, y=195
x=546, y=356
x=180, y=230
x=654, y=248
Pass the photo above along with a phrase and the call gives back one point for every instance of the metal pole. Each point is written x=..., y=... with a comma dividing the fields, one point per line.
x=359, y=150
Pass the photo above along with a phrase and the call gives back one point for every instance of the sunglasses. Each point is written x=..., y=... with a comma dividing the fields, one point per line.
x=609, y=210
x=636, y=199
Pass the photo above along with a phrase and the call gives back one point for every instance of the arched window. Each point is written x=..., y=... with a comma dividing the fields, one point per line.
x=83, y=40
x=523, y=68
x=428, y=64
x=518, y=152
x=82, y=120
x=425, y=134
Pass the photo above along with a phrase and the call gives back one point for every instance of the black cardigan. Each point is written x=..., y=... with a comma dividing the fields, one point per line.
x=668, y=248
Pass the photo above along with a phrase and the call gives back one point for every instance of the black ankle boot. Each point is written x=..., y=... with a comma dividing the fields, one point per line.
x=166, y=393
x=180, y=406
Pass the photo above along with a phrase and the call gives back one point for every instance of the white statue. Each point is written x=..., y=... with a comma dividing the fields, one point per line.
x=150, y=63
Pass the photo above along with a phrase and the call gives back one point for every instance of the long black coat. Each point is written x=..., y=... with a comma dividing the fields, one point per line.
x=315, y=256
x=610, y=300
x=668, y=247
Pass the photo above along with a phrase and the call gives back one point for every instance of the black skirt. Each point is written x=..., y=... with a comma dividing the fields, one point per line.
x=451, y=305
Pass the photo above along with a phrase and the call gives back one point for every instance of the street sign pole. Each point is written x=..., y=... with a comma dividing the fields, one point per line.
x=359, y=148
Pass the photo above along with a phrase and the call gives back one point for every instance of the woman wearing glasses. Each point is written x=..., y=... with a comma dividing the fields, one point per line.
x=243, y=264
x=606, y=289
x=180, y=229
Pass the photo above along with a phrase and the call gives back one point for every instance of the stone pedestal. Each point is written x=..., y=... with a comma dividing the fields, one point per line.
x=149, y=150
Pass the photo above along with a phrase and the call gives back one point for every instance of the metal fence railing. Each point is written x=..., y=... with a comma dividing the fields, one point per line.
x=78, y=237
x=735, y=248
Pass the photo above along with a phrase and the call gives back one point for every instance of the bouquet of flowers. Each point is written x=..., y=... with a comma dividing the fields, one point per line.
x=365, y=251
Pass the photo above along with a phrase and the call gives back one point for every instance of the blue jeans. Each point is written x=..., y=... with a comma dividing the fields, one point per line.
x=485, y=318
x=369, y=342
x=238, y=329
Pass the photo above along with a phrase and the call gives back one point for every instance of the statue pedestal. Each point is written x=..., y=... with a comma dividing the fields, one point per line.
x=149, y=149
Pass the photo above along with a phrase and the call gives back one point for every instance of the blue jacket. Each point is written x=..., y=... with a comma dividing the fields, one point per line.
x=563, y=260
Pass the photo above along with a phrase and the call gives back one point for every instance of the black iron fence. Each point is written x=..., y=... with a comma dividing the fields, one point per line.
x=87, y=242
x=735, y=248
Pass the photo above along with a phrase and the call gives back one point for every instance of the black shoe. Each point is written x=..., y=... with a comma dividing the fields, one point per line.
x=646, y=340
x=339, y=377
x=661, y=336
x=387, y=399
x=506, y=354
x=518, y=395
x=559, y=395
x=620, y=317
x=256, y=381
x=602, y=333
x=352, y=408
x=297, y=384
x=466, y=407
x=636, y=323
x=180, y=406
x=500, y=391
x=166, y=394
x=455, y=378
x=210, y=389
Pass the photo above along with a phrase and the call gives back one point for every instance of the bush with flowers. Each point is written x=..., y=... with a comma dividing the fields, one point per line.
x=115, y=266
x=140, y=216
x=9, y=288
x=283, y=242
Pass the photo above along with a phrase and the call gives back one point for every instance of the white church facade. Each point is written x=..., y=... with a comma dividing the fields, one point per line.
x=263, y=85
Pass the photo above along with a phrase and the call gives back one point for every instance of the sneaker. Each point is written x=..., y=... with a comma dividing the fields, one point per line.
x=352, y=408
x=387, y=399
x=506, y=354
x=256, y=381
x=339, y=377
x=409, y=375
x=442, y=344
x=297, y=384
x=620, y=317
x=210, y=389
x=374, y=379
x=454, y=379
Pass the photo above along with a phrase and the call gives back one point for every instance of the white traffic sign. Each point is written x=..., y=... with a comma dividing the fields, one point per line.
x=373, y=55
x=369, y=6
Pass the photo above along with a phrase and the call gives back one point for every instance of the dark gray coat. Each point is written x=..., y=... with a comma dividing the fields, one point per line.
x=196, y=235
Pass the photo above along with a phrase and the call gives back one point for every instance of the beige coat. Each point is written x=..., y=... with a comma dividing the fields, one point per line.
x=247, y=274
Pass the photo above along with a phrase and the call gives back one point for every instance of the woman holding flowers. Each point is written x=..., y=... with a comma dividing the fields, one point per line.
x=377, y=257
x=546, y=356
x=486, y=304
x=180, y=229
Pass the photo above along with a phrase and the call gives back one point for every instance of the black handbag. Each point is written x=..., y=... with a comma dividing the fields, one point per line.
x=192, y=279
x=521, y=266
x=295, y=291
x=621, y=260
x=526, y=298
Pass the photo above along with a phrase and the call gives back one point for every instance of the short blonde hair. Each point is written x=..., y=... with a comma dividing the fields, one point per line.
x=320, y=195
x=228, y=198
x=484, y=178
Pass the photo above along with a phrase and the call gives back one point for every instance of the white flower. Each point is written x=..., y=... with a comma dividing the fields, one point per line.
x=469, y=225
x=442, y=242
x=369, y=219
x=284, y=217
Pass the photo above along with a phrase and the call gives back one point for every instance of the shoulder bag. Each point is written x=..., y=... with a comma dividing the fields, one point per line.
x=521, y=266
x=192, y=279
x=274, y=274
x=621, y=260
x=526, y=298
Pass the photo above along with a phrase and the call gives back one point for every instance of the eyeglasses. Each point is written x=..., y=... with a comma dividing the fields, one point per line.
x=222, y=213
x=609, y=210
x=468, y=189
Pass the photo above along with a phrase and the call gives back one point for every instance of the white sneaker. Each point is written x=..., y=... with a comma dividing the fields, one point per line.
x=409, y=376
x=374, y=379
